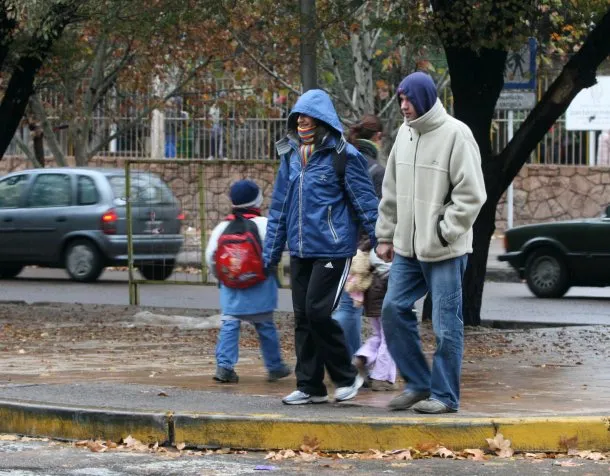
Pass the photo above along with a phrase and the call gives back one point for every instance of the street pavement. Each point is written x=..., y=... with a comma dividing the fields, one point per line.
x=33, y=458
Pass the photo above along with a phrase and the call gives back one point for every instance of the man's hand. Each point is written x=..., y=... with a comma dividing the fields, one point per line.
x=385, y=251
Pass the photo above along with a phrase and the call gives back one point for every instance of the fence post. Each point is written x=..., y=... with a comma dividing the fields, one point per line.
x=202, y=221
x=134, y=294
x=157, y=135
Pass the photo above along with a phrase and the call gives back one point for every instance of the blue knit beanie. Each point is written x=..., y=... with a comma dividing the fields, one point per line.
x=420, y=90
x=245, y=194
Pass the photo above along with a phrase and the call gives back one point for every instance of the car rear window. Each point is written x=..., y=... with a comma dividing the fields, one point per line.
x=145, y=190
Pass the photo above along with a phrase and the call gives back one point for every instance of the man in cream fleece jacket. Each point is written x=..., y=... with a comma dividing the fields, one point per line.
x=433, y=190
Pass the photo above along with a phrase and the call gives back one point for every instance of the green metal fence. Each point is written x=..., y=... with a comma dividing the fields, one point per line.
x=201, y=189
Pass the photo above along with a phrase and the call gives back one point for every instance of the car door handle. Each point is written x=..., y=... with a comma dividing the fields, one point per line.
x=8, y=219
x=61, y=219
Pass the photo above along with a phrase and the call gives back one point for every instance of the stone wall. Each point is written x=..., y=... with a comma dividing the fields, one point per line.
x=556, y=192
x=541, y=192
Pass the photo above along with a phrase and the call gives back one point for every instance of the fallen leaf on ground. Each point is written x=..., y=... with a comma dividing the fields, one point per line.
x=592, y=455
x=403, y=455
x=535, y=455
x=181, y=446
x=8, y=438
x=400, y=465
x=310, y=444
x=500, y=446
x=567, y=464
x=475, y=454
x=96, y=446
x=445, y=453
x=162, y=394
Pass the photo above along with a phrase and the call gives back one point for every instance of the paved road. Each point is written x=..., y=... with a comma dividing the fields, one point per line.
x=501, y=301
x=52, y=459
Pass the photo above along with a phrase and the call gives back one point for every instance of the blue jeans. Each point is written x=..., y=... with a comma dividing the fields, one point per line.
x=227, y=347
x=349, y=318
x=410, y=279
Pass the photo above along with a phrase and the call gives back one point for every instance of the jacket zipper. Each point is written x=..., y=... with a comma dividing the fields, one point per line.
x=301, y=211
x=330, y=224
x=301, y=179
x=413, y=194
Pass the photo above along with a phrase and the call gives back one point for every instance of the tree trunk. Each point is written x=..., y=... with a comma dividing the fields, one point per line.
x=476, y=84
x=21, y=84
x=309, y=74
x=476, y=81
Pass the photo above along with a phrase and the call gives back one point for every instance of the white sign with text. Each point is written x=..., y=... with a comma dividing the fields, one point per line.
x=590, y=109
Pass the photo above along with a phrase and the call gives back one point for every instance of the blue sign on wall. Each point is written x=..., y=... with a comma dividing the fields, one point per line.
x=520, y=68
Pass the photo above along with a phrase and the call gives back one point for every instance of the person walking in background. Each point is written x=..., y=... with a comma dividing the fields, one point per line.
x=603, y=148
x=366, y=136
x=322, y=194
x=246, y=294
x=433, y=190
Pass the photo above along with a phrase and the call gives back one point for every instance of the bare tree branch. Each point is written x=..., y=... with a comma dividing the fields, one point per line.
x=268, y=70
x=339, y=76
x=26, y=150
x=49, y=135
x=147, y=110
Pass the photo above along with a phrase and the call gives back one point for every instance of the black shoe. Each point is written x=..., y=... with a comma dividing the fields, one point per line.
x=225, y=375
x=275, y=375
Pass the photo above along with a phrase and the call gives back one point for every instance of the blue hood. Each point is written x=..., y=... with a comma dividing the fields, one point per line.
x=317, y=104
x=420, y=90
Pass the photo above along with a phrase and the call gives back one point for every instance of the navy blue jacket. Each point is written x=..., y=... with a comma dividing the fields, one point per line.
x=311, y=209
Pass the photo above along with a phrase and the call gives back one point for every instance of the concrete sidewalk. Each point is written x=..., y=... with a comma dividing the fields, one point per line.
x=110, y=374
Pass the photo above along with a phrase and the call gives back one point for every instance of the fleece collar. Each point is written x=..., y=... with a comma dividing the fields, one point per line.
x=433, y=119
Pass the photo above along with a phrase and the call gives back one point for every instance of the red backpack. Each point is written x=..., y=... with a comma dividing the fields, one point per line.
x=239, y=256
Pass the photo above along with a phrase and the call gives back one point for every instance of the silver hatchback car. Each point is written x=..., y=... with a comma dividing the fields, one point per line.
x=75, y=218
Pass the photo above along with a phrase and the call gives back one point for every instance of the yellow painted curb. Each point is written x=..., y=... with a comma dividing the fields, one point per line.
x=80, y=424
x=362, y=434
x=345, y=435
x=551, y=434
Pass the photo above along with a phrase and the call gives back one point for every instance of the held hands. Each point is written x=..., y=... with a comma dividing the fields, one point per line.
x=385, y=251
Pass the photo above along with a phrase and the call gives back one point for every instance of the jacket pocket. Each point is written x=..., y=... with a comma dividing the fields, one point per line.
x=439, y=232
x=333, y=232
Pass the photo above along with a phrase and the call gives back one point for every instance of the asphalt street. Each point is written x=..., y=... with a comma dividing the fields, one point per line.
x=501, y=301
x=38, y=458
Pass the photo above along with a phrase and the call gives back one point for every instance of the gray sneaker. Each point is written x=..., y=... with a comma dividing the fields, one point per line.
x=433, y=407
x=347, y=393
x=225, y=375
x=407, y=399
x=301, y=398
x=275, y=375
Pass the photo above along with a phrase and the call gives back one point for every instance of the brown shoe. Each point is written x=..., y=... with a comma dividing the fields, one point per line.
x=360, y=364
x=382, y=385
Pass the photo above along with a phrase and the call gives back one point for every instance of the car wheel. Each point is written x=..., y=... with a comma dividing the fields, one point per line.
x=547, y=274
x=8, y=271
x=83, y=261
x=157, y=270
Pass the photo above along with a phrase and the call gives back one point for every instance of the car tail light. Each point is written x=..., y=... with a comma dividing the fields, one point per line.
x=108, y=222
x=181, y=216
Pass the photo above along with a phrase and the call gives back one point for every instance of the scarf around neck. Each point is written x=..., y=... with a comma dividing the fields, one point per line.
x=307, y=136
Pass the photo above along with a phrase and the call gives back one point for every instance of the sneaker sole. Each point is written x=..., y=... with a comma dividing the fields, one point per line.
x=306, y=401
x=354, y=392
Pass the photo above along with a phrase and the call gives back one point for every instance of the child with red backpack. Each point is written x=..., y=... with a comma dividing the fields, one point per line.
x=234, y=254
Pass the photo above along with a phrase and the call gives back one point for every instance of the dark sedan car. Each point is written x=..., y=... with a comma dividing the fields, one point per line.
x=554, y=256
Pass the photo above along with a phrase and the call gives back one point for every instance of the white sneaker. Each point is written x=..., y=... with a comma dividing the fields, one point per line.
x=301, y=398
x=347, y=393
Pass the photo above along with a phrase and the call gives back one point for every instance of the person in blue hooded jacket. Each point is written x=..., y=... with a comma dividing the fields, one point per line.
x=316, y=208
